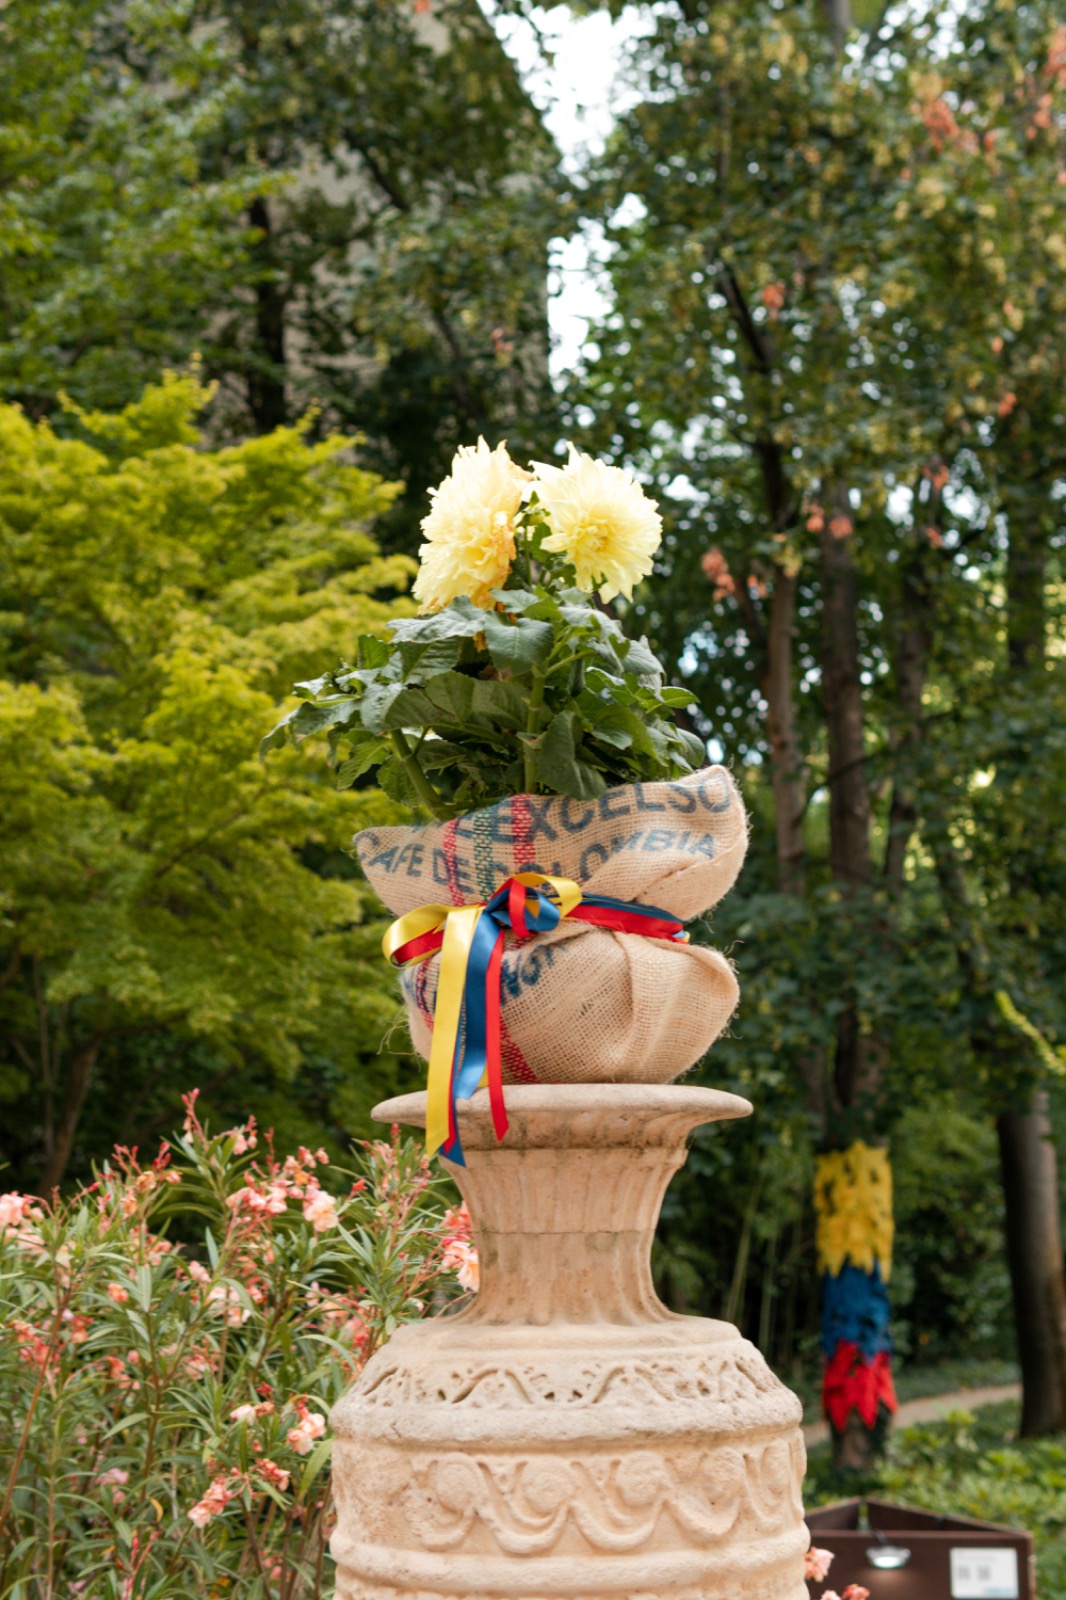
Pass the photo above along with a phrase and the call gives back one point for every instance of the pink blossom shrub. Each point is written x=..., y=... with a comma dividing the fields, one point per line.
x=171, y=1342
x=816, y=1564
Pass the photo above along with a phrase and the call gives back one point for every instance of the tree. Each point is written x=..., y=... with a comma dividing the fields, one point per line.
x=821, y=263
x=111, y=230
x=171, y=905
x=338, y=204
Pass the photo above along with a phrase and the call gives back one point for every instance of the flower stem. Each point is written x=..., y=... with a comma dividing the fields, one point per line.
x=536, y=700
x=419, y=782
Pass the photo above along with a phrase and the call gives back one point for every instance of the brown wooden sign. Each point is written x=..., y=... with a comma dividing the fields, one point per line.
x=901, y=1553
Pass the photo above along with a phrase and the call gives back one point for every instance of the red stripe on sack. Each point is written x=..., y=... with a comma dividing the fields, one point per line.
x=518, y=1068
x=450, y=854
x=421, y=985
x=521, y=828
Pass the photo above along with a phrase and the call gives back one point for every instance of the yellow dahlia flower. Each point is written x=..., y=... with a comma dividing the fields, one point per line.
x=601, y=520
x=469, y=528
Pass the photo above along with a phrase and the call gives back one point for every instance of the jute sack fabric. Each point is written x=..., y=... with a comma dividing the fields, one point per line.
x=584, y=1004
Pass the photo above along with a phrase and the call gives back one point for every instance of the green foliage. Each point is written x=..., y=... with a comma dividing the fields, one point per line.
x=166, y=898
x=338, y=203
x=950, y=1286
x=112, y=230
x=173, y=1339
x=970, y=1465
x=836, y=304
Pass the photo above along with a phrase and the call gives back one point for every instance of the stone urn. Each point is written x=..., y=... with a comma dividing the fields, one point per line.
x=565, y=1434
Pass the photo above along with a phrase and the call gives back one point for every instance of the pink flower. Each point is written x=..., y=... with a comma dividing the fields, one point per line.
x=113, y=1479
x=269, y=1202
x=199, y=1272
x=117, y=1373
x=244, y=1414
x=461, y=1258
x=34, y=1350
x=214, y=1502
x=16, y=1208
x=312, y=1426
x=855, y=1591
x=320, y=1210
x=225, y=1301
x=816, y=1564
x=275, y=1475
x=118, y=1294
x=198, y=1363
x=244, y=1138
x=456, y=1224
x=716, y=571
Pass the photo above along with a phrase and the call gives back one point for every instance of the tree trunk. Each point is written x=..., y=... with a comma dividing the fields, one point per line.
x=266, y=374
x=849, y=796
x=1028, y=1162
x=914, y=642
x=1034, y=1255
x=859, y=1058
x=79, y=1075
x=787, y=773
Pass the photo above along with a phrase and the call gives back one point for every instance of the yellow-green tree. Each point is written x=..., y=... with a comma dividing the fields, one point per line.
x=171, y=909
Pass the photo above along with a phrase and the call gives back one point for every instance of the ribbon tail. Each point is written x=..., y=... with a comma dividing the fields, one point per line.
x=441, y=1127
x=493, y=1065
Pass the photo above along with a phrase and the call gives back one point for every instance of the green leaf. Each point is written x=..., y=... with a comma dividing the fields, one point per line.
x=392, y=776
x=517, y=644
x=558, y=765
x=373, y=651
x=446, y=698
x=515, y=600
x=366, y=753
x=376, y=706
x=421, y=659
x=499, y=700
x=278, y=735
x=637, y=657
x=314, y=1464
x=693, y=748
x=461, y=620
x=144, y=1288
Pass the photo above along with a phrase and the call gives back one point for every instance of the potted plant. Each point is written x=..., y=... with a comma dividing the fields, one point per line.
x=565, y=1434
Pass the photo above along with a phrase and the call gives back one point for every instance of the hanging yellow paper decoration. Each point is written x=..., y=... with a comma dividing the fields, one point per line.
x=853, y=1206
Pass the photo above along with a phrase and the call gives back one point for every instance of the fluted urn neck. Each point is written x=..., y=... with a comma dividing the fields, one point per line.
x=564, y=1208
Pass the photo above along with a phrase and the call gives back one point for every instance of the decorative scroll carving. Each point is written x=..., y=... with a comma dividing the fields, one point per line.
x=721, y=1380
x=616, y=1502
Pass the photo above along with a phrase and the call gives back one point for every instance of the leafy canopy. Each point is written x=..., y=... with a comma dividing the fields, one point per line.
x=160, y=883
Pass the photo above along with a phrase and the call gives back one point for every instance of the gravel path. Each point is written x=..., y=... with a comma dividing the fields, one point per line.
x=931, y=1408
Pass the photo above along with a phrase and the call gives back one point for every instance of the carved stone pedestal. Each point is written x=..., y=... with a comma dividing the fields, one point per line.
x=567, y=1435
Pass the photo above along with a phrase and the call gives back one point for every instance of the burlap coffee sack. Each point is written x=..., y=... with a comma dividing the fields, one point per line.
x=585, y=1004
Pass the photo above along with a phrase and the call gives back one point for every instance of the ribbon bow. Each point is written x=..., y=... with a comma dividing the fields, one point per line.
x=466, y=1021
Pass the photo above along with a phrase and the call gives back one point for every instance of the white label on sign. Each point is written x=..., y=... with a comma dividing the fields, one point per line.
x=984, y=1574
